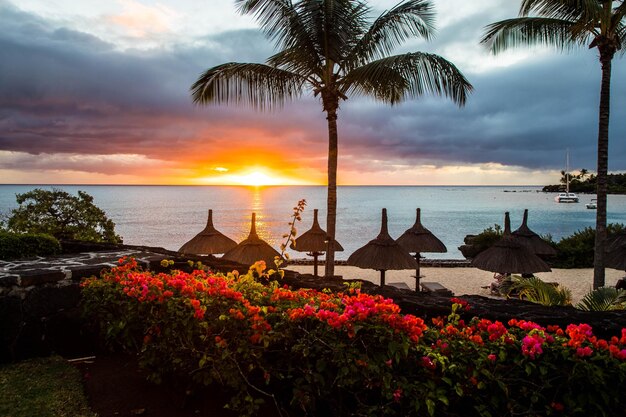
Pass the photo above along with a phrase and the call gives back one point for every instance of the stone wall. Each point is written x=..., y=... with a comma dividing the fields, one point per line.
x=39, y=300
x=39, y=297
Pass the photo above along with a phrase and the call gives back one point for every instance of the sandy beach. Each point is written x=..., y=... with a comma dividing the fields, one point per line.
x=471, y=280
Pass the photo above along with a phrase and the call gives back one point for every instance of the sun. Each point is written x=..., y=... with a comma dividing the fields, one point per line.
x=257, y=179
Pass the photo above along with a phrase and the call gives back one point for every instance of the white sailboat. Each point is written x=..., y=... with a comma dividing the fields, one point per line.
x=566, y=197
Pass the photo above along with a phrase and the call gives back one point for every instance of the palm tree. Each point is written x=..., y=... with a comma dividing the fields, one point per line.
x=565, y=24
x=332, y=48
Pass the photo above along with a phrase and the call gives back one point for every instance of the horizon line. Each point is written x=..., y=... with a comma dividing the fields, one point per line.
x=272, y=185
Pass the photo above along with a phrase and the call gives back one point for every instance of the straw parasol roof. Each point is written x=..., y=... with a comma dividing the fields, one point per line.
x=419, y=239
x=314, y=241
x=616, y=241
x=252, y=249
x=508, y=256
x=382, y=253
x=616, y=252
x=531, y=240
x=208, y=241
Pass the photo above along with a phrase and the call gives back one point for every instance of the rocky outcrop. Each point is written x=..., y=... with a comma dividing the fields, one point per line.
x=468, y=249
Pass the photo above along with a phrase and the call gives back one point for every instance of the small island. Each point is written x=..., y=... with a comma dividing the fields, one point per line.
x=584, y=182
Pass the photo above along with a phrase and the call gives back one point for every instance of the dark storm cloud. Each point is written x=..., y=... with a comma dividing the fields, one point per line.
x=524, y=115
x=63, y=91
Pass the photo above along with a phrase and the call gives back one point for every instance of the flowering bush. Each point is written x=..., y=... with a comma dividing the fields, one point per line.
x=350, y=353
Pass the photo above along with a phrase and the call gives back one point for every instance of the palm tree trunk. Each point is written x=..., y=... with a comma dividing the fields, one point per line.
x=606, y=56
x=331, y=216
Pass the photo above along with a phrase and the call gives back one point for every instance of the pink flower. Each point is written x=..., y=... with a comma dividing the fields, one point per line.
x=584, y=351
x=491, y=357
x=397, y=394
x=427, y=363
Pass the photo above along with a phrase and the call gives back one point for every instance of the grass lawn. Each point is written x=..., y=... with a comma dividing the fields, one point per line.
x=42, y=387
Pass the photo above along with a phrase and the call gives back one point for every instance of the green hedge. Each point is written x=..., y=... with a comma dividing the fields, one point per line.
x=16, y=246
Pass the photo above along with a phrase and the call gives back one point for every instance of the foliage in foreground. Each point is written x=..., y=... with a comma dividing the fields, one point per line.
x=349, y=353
x=537, y=291
x=16, y=246
x=42, y=387
x=61, y=215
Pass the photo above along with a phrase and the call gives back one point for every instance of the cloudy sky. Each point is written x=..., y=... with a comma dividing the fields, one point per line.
x=98, y=92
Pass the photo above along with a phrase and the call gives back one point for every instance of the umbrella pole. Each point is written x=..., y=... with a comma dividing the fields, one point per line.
x=382, y=277
x=315, y=255
x=417, y=273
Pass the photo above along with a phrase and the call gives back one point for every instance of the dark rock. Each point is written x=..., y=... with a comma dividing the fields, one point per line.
x=38, y=277
x=85, y=271
x=8, y=280
x=47, y=300
x=469, y=251
x=10, y=326
x=469, y=239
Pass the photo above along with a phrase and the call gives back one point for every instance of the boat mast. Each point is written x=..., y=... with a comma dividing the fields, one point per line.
x=567, y=171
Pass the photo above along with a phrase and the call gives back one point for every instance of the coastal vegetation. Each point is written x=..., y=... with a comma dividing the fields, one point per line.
x=349, y=353
x=575, y=251
x=335, y=50
x=581, y=183
x=62, y=215
x=26, y=245
x=566, y=24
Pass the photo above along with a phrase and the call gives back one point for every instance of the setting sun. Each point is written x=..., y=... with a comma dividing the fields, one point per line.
x=257, y=179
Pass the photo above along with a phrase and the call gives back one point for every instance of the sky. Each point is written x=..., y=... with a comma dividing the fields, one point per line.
x=95, y=92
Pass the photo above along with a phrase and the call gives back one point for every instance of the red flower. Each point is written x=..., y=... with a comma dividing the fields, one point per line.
x=427, y=363
x=397, y=394
x=557, y=406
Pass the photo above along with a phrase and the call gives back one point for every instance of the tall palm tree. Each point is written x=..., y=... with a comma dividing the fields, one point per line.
x=565, y=24
x=332, y=48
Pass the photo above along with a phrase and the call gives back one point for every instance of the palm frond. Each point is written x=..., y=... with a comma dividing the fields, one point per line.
x=334, y=25
x=422, y=73
x=413, y=18
x=603, y=299
x=295, y=60
x=382, y=82
x=572, y=10
x=529, y=31
x=260, y=86
x=281, y=23
x=535, y=290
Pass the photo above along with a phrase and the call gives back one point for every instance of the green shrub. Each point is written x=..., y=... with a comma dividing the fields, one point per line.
x=61, y=215
x=576, y=251
x=16, y=246
x=316, y=353
x=487, y=238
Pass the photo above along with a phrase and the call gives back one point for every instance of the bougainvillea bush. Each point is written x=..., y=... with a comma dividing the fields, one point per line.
x=318, y=353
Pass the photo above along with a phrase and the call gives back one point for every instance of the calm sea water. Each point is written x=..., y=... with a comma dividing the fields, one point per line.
x=168, y=216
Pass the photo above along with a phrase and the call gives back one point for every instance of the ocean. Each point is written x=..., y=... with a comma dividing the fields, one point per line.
x=168, y=216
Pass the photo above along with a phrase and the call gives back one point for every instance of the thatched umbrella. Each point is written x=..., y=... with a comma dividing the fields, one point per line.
x=616, y=252
x=209, y=241
x=382, y=254
x=252, y=249
x=509, y=256
x=314, y=241
x=419, y=239
x=531, y=240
